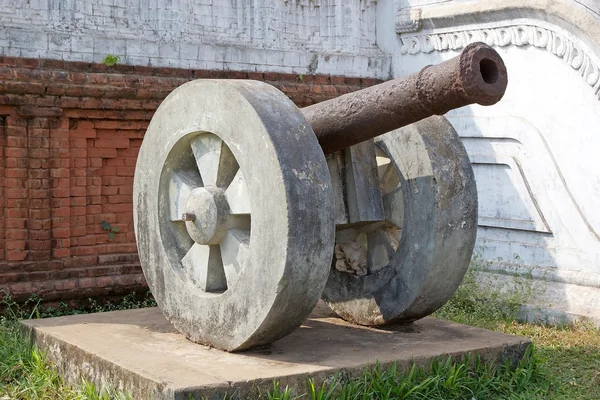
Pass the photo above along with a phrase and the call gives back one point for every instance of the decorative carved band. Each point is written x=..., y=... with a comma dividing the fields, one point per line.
x=520, y=35
x=408, y=20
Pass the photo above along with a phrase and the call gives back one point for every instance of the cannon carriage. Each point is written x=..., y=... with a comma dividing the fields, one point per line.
x=248, y=210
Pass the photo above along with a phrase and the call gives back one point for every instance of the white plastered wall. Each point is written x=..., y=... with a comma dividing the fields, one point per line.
x=535, y=154
x=290, y=36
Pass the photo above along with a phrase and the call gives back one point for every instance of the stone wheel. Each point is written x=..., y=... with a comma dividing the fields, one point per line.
x=233, y=213
x=413, y=261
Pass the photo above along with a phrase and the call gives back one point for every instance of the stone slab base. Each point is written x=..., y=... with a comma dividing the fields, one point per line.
x=139, y=352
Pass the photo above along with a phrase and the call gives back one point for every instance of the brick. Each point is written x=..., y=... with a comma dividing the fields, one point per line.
x=61, y=192
x=18, y=255
x=102, y=152
x=115, y=143
x=77, y=211
x=85, y=240
x=61, y=212
x=60, y=232
x=16, y=213
x=121, y=248
x=83, y=133
x=118, y=208
x=37, y=235
x=61, y=182
x=78, y=191
x=78, y=201
x=116, y=162
x=16, y=234
x=107, y=124
x=126, y=171
x=59, y=173
x=77, y=143
x=79, y=231
x=79, y=162
x=17, y=183
x=15, y=152
x=39, y=153
x=329, y=89
x=16, y=141
x=15, y=172
x=94, y=209
x=16, y=223
x=115, y=199
x=12, y=244
x=16, y=193
x=38, y=193
x=320, y=79
x=84, y=251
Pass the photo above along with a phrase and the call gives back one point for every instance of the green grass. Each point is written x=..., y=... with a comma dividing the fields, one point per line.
x=26, y=374
x=443, y=379
x=564, y=362
x=24, y=371
x=568, y=355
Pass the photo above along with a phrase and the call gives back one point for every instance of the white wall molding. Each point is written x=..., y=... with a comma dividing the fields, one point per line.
x=408, y=20
x=516, y=35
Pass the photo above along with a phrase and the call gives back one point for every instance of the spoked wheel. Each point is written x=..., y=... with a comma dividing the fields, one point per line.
x=233, y=213
x=407, y=266
x=209, y=206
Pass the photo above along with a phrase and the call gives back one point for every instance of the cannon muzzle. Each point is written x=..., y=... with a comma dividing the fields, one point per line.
x=477, y=75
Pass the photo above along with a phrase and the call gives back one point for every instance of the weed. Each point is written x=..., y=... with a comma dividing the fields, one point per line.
x=280, y=394
x=112, y=230
x=33, y=307
x=111, y=60
x=479, y=301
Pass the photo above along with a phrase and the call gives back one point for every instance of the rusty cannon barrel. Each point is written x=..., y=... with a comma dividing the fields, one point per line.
x=477, y=75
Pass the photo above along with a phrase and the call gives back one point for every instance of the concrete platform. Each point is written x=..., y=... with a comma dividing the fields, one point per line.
x=139, y=352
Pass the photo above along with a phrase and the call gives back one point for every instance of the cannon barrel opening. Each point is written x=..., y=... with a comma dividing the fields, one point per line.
x=489, y=71
x=477, y=75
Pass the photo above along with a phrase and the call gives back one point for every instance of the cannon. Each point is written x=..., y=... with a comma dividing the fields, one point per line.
x=248, y=210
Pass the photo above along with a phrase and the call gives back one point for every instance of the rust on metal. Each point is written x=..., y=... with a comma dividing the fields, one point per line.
x=477, y=75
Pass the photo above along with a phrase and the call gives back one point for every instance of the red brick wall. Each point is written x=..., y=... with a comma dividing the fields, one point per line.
x=69, y=137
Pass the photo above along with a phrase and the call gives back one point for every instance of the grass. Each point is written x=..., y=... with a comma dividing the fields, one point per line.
x=568, y=355
x=25, y=372
x=443, y=379
x=564, y=362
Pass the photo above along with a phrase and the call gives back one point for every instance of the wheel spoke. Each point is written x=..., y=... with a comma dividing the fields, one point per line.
x=235, y=252
x=380, y=250
x=180, y=186
x=393, y=204
x=216, y=163
x=237, y=195
x=389, y=179
x=203, y=264
x=241, y=221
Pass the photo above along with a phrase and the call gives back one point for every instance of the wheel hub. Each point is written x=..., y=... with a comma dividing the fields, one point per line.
x=206, y=215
